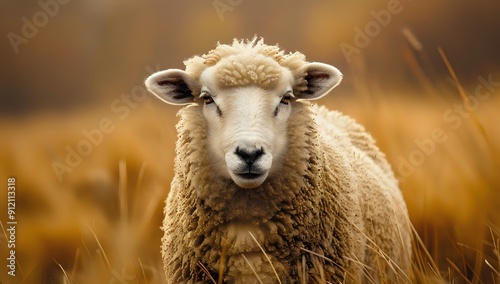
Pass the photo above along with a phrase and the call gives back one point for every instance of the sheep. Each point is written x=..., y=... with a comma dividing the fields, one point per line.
x=269, y=188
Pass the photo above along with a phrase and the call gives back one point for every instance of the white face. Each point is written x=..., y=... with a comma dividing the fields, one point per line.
x=247, y=128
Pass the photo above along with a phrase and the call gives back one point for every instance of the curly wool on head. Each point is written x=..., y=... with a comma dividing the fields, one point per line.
x=246, y=62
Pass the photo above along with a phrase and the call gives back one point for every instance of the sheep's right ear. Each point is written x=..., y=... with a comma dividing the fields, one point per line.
x=173, y=86
x=318, y=79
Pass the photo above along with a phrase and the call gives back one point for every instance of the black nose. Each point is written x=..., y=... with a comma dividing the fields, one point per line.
x=249, y=156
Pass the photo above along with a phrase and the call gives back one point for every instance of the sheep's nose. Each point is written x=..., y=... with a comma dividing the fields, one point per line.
x=249, y=156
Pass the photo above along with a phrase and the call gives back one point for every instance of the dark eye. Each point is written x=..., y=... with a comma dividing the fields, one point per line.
x=207, y=99
x=286, y=98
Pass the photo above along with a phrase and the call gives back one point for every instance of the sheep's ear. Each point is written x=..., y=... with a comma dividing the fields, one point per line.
x=317, y=80
x=173, y=86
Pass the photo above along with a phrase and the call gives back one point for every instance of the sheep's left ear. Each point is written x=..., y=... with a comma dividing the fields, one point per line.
x=173, y=86
x=320, y=79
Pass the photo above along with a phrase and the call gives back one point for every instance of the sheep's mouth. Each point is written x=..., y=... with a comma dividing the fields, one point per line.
x=250, y=175
x=249, y=178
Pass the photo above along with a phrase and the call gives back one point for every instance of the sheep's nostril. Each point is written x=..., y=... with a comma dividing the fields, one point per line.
x=249, y=156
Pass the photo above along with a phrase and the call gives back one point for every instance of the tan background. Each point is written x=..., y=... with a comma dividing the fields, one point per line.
x=100, y=224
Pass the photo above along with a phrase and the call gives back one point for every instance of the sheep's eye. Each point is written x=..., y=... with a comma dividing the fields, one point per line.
x=286, y=99
x=207, y=99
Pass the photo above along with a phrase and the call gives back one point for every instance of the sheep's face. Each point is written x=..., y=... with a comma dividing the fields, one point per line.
x=246, y=126
x=246, y=119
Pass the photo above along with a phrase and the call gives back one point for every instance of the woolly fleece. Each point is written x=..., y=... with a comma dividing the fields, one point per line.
x=336, y=197
x=336, y=187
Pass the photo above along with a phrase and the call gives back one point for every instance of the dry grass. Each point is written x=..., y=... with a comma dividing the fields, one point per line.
x=101, y=223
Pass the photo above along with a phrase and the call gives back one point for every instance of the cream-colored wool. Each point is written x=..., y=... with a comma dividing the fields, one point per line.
x=247, y=62
x=335, y=196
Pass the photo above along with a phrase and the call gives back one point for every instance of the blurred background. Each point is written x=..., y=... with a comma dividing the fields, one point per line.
x=92, y=153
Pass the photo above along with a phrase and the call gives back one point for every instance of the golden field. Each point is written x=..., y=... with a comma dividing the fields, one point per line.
x=96, y=218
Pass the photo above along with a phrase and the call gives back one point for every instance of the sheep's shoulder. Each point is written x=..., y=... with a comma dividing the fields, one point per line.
x=334, y=125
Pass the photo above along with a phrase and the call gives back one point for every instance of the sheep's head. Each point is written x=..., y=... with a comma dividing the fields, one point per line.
x=247, y=92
